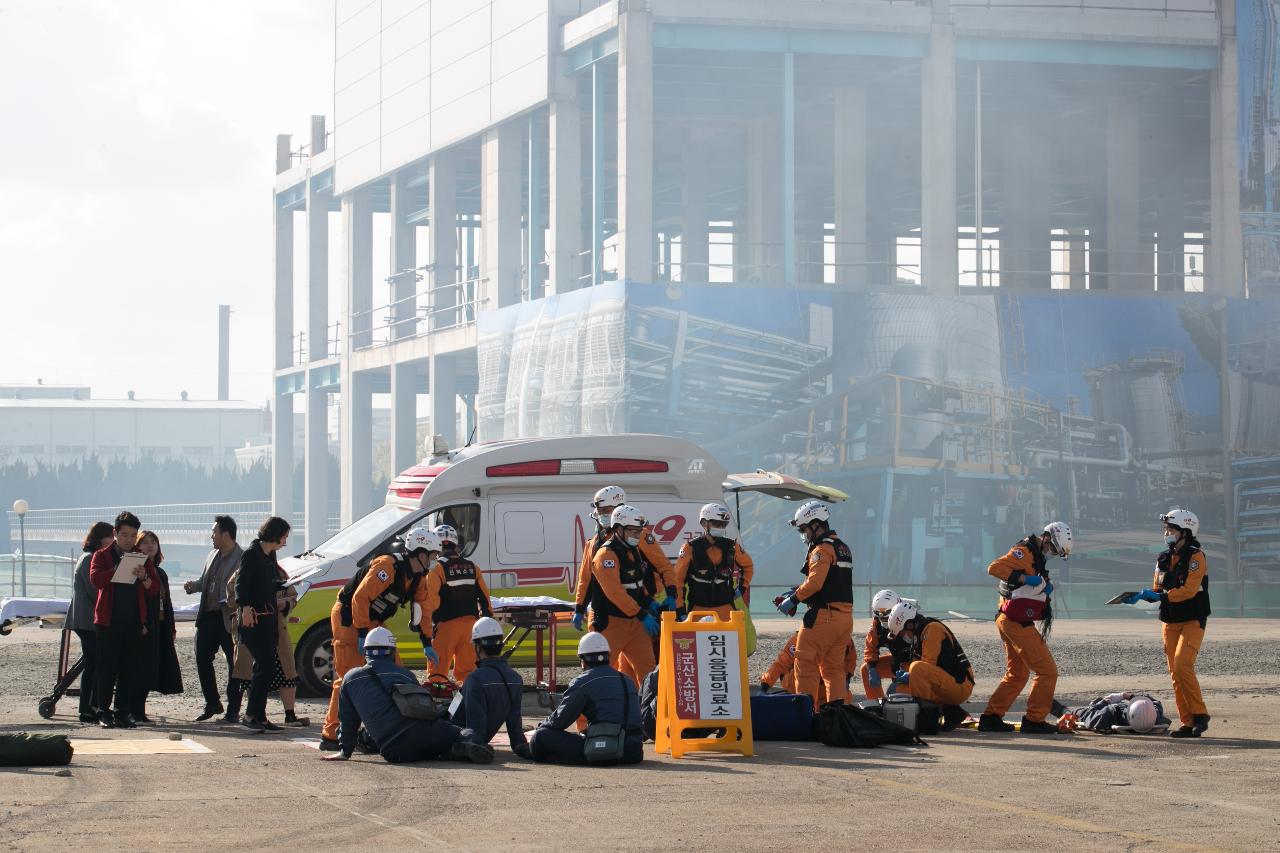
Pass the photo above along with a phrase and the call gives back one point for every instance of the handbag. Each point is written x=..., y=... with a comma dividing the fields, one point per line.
x=606, y=742
x=414, y=701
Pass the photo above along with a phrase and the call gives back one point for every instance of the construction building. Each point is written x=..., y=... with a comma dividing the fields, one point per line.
x=779, y=228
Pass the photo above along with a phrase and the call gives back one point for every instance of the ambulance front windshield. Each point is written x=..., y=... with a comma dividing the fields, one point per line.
x=362, y=532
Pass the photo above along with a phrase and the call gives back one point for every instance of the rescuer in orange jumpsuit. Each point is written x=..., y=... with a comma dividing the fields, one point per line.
x=1026, y=597
x=875, y=667
x=783, y=673
x=714, y=569
x=1181, y=587
x=605, y=502
x=827, y=592
x=938, y=670
x=370, y=598
x=456, y=597
x=622, y=605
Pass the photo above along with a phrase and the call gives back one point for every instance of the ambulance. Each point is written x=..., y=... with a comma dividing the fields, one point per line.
x=522, y=509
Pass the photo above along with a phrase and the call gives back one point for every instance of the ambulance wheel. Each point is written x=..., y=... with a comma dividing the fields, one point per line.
x=46, y=707
x=544, y=698
x=314, y=658
x=6, y=628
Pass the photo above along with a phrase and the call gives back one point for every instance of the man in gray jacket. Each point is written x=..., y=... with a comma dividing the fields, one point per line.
x=213, y=621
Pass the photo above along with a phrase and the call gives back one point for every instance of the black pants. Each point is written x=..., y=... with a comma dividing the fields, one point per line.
x=119, y=647
x=145, y=674
x=568, y=747
x=261, y=641
x=89, y=675
x=211, y=635
x=426, y=739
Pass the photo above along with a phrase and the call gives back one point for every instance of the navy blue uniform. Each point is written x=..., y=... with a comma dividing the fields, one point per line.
x=490, y=697
x=598, y=694
x=365, y=698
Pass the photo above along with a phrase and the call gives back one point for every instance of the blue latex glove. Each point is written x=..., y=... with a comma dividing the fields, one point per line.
x=578, y=619
x=669, y=603
x=788, y=605
x=1048, y=589
x=1149, y=595
x=902, y=677
x=360, y=644
x=428, y=651
x=1032, y=580
x=681, y=614
x=650, y=623
x=655, y=608
x=1131, y=598
x=874, y=679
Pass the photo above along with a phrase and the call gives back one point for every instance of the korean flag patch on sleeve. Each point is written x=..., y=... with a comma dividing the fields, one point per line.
x=382, y=575
x=1018, y=553
x=610, y=564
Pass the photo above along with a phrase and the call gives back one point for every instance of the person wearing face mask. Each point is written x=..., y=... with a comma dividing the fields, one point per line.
x=827, y=593
x=376, y=594
x=1026, y=597
x=1181, y=588
x=714, y=569
x=456, y=597
x=622, y=606
x=876, y=667
x=602, y=506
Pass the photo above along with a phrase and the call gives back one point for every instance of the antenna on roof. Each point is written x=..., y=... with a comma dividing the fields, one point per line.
x=472, y=437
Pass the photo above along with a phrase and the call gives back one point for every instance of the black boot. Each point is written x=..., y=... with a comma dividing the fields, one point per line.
x=1037, y=727
x=1200, y=724
x=952, y=716
x=1184, y=731
x=993, y=723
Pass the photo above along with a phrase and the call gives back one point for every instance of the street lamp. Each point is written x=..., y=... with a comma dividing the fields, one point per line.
x=20, y=507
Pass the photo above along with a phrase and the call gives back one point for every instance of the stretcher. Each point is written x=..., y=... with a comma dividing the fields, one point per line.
x=540, y=616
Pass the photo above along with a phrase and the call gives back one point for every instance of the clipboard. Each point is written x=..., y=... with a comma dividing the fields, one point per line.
x=128, y=562
x=1119, y=599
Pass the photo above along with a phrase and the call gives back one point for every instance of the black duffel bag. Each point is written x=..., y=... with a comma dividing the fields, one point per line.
x=34, y=750
x=850, y=726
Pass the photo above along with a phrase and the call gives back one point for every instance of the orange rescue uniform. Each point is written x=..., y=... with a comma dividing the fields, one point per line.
x=822, y=643
x=648, y=547
x=456, y=596
x=616, y=610
x=1024, y=648
x=782, y=671
x=871, y=658
x=1183, y=584
x=374, y=594
x=714, y=578
x=939, y=671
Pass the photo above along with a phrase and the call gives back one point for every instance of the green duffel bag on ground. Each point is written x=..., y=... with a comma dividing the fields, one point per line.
x=34, y=750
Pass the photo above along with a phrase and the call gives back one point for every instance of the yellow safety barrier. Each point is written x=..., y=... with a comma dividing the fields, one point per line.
x=702, y=685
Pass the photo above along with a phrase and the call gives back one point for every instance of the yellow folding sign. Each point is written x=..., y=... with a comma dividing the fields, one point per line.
x=703, y=701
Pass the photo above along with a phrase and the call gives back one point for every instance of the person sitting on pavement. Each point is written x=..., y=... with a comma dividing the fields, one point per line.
x=603, y=695
x=365, y=699
x=491, y=695
x=938, y=670
x=1116, y=712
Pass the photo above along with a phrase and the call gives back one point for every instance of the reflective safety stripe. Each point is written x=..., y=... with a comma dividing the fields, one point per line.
x=462, y=582
x=637, y=585
x=844, y=565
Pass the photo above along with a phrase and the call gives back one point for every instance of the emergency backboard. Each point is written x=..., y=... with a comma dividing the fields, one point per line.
x=703, y=701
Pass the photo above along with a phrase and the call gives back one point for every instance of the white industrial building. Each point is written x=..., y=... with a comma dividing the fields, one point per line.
x=488, y=160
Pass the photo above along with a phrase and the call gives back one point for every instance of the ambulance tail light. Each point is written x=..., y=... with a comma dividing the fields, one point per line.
x=541, y=468
x=630, y=466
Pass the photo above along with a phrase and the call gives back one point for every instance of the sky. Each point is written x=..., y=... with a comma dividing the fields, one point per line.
x=137, y=158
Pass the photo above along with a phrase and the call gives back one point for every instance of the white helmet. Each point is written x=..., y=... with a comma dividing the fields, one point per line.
x=627, y=516
x=609, y=496
x=421, y=539
x=1142, y=714
x=883, y=602
x=1059, y=533
x=486, y=628
x=593, y=643
x=382, y=640
x=1183, y=519
x=715, y=512
x=446, y=533
x=809, y=512
x=903, y=612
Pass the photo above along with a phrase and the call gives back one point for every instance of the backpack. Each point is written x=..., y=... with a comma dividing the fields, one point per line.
x=850, y=726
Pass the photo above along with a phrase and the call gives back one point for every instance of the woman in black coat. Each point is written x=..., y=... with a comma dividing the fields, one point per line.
x=257, y=583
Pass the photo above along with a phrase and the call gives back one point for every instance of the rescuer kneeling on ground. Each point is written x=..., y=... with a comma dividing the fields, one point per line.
x=608, y=700
x=1026, y=597
x=938, y=671
x=365, y=698
x=1181, y=587
x=492, y=692
x=876, y=666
